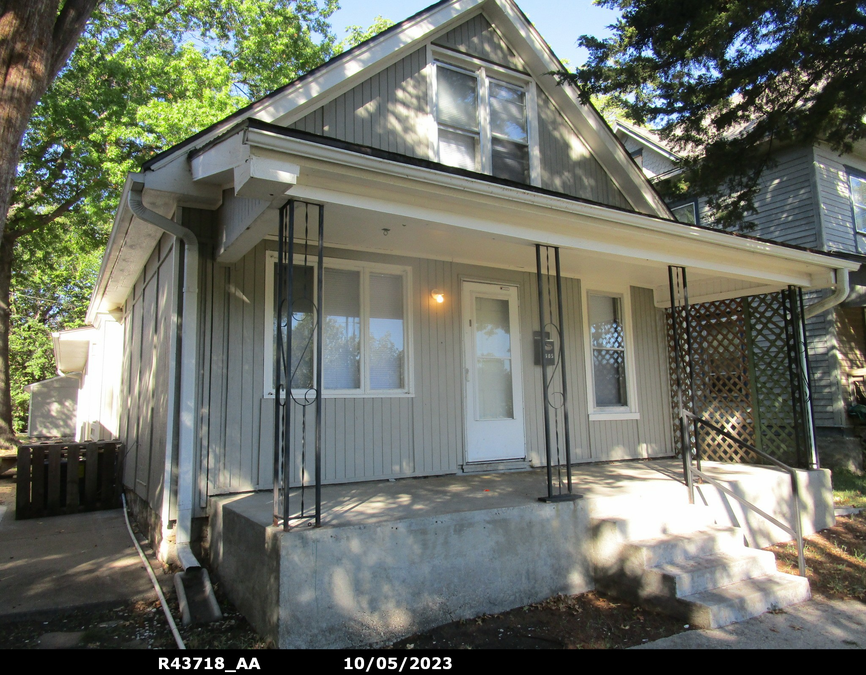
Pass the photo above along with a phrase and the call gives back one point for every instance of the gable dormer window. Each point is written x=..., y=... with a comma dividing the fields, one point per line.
x=483, y=120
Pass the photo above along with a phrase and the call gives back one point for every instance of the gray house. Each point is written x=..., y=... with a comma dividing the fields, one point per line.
x=386, y=270
x=814, y=198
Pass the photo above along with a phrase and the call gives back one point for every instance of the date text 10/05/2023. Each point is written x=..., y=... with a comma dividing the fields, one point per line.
x=199, y=663
x=383, y=663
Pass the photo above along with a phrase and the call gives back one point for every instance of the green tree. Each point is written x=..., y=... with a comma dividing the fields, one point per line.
x=357, y=34
x=728, y=82
x=135, y=84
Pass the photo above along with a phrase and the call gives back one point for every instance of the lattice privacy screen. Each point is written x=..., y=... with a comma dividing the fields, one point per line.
x=741, y=359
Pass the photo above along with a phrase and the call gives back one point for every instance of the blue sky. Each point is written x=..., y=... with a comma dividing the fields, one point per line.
x=560, y=22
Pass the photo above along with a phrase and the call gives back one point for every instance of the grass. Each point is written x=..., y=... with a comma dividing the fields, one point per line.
x=849, y=489
x=835, y=559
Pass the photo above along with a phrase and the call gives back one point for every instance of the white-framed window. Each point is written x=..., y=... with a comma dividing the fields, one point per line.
x=484, y=118
x=686, y=213
x=609, y=356
x=366, y=325
x=857, y=182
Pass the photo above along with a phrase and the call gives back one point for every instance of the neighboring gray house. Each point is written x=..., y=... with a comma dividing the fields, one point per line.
x=813, y=198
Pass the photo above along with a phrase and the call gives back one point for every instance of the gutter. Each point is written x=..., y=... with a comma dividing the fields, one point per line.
x=189, y=331
x=842, y=288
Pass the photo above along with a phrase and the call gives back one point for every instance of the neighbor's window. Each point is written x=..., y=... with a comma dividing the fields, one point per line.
x=686, y=213
x=608, y=345
x=858, y=201
x=365, y=331
x=482, y=123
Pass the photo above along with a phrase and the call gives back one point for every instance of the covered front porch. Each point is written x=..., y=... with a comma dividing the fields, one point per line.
x=395, y=557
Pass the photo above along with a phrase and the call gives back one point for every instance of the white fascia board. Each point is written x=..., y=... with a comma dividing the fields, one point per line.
x=262, y=177
x=219, y=158
x=532, y=234
x=254, y=175
x=176, y=178
x=589, y=125
x=71, y=348
x=394, y=175
x=119, y=228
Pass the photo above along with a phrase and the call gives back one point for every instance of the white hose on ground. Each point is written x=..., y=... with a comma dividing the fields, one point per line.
x=171, y=624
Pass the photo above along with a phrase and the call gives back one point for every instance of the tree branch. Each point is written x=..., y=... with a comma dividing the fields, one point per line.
x=41, y=221
x=67, y=29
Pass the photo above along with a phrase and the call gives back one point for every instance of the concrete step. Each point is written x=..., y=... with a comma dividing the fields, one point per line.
x=677, y=547
x=688, y=577
x=639, y=522
x=745, y=599
x=706, y=576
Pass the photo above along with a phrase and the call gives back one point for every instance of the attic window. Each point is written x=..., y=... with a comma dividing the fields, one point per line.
x=483, y=121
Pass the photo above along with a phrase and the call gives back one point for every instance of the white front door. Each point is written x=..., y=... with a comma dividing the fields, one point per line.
x=493, y=375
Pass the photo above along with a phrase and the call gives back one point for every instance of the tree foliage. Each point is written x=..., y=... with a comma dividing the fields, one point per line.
x=727, y=82
x=145, y=75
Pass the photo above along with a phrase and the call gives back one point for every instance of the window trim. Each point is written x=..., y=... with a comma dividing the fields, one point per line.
x=366, y=269
x=484, y=71
x=611, y=413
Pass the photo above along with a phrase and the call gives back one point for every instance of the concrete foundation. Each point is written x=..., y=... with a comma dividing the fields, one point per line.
x=367, y=584
x=397, y=557
x=842, y=449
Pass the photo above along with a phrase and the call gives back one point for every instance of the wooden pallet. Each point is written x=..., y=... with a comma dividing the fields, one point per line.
x=63, y=478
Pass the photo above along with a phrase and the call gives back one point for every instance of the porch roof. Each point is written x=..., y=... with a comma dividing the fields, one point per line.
x=439, y=212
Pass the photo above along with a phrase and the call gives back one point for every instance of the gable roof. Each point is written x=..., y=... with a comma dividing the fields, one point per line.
x=291, y=102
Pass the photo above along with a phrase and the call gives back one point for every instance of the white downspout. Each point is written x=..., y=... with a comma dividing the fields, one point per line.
x=189, y=342
x=842, y=288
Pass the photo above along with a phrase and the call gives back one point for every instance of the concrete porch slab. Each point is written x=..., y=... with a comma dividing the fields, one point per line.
x=397, y=557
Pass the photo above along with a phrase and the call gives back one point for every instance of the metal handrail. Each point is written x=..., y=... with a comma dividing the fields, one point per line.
x=797, y=531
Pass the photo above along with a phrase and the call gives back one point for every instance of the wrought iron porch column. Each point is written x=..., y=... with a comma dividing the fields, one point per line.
x=682, y=283
x=559, y=369
x=285, y=396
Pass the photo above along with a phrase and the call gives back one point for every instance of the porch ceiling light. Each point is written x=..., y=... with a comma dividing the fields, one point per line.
x=438, y=296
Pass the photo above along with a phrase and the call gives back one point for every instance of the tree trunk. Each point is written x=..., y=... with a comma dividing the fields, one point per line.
x=36, y=39
x=7, y=433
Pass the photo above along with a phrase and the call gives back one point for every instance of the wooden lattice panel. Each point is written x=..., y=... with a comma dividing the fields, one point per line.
x=745, y=370
x=719, y=372
x=772, y=377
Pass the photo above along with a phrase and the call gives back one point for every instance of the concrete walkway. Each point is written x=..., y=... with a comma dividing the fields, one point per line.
x=817, y=624
x=67, y=562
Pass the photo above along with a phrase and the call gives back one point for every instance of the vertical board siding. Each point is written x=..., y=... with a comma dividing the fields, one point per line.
x=651, y=370
x=388, y=111
x=566, y=163
x=145, y=385
x=478, y=38
x=368, y=438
